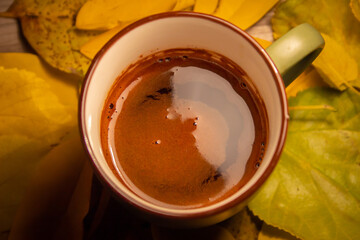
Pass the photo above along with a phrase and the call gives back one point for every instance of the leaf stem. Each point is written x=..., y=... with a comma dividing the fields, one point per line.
x=8, y=15
x=314, y=107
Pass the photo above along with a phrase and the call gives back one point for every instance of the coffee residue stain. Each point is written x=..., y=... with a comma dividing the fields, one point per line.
x=153, y=97
x=164, y=90
x=212, y=178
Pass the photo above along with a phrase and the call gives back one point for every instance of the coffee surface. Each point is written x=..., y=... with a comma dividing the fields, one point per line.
x=183, y=128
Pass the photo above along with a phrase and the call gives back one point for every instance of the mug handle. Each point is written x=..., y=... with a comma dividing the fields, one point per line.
x=296, y=50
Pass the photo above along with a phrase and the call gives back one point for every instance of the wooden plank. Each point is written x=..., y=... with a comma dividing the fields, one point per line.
x=11, y=39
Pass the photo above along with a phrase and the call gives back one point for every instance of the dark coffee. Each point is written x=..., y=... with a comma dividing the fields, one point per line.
x=184, y=128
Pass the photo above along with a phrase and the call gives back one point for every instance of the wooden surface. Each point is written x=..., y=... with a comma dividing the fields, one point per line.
x=12, y=40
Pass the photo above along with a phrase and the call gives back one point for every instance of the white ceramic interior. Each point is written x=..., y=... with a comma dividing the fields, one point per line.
x=181, y=31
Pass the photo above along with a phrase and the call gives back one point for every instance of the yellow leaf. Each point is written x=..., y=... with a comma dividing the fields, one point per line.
x=28, y=106
x=309, y=78
x=107, y=14
x=355, y=8
x=63, y=85
x=263, y=43
x=271, y=233
x=57, y=42
x=210, y=233
x=92, y=47
x=49, y=28
x=46, y=210
x=32, y=121
x=250, y=11
x=244, y=13
x=183, y=4
x=206, y=6
x=227, y=8
x=336, y=66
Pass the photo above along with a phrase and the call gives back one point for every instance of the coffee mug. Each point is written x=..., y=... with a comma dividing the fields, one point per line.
x=268, y=69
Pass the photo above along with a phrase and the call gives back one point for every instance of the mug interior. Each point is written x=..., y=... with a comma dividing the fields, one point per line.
x=182, y=30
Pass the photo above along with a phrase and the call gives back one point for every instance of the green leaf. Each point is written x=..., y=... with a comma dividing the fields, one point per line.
x=314, y=191
x=339, y=62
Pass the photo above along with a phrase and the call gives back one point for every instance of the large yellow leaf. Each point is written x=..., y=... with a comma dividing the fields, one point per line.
x=183, y=5
x=250, y=11
x=336, y=66
x=92, y=47
x=244, y=13
x=308, y=79
x=32, y=121
x=107, y=14
x=263, y=43
x=227, y=8
x=206, y=6
x=63, y=85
